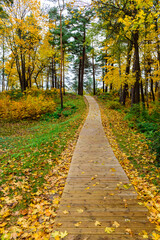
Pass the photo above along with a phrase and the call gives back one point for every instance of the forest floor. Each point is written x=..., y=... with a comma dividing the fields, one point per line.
x=34, y=162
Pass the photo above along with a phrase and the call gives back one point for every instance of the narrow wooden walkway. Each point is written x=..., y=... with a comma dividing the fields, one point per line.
x=98, y=193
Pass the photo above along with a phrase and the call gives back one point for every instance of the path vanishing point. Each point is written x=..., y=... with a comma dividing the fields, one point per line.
x=98, y=194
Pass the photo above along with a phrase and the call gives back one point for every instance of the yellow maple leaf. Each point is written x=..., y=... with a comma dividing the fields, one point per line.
x=155, y=236
x=126, y=186
x=56, y=235
x=80, y=210
x=65, y=212
x=97, y=223
x=63, y=234
x=128, y=231
x=116, y=224
x=109, y=230
x=112, y=170
x=77, y=224
x=158, y=228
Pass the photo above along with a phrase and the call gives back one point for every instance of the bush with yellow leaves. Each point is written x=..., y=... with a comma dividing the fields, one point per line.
x=28, y=106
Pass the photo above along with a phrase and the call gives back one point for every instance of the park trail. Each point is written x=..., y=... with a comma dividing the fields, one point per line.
x=98, y=201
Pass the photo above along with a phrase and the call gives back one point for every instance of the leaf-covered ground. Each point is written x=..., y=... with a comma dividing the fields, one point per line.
x=131, y=149
x=34, y=167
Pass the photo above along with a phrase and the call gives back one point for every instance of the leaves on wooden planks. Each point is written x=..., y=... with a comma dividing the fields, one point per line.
x=143, y=182
x=109, y=230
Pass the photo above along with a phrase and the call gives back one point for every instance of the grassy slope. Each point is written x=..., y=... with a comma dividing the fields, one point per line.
x=29, y=156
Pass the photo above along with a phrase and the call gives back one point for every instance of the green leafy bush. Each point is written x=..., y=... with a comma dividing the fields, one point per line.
x=106, y=96
x=114, y=105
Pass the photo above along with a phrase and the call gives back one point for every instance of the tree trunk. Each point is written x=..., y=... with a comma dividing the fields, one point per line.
x=127, y=71
x=79, y=75
x=153, y=96
x=136, y=70
x=142, y=95
x=83, y=61
x=3, y=61
x=61, y=94
x=94, y=82
x=63, y=75
x=52, y=72
x=23, y=69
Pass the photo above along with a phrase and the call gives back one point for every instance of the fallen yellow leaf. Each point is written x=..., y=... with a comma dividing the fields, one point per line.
x=97, y=223
x=116, y=224
x=63, y=234
x=65, y=212
x=77, y=224
x=80, y=210
x=109, y=230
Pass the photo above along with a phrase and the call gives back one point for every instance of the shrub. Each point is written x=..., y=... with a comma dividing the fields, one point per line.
x=34, y=92
x=155, y=145
x=27, y=107
x=106, y=96
x=114, y=105
x=12, y=94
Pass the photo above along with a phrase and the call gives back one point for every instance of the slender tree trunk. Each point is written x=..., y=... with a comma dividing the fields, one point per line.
x=63, y=75
x=103, y=77
x=52, y=73
x=136, y=70
x=127, y=71
x=29, y=73
x=146, y=86
x=79, y=75
x=19, y=73
x=83, y=61
x=103, y=86
x=142, y=95
x=158, y=52
x=55, y=75
x=94, y=82
x=61, y=64
x=3, y=62
x=153, y=96
x=48, y=71
x=23, y=68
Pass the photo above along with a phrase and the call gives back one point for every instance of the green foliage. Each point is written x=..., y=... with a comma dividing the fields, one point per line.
x=114, y=105
x=147, y=127
x=15, y=94
x=106, y=96
x=147, y=123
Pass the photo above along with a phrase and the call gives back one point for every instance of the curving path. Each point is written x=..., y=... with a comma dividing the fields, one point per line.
x=98, y=193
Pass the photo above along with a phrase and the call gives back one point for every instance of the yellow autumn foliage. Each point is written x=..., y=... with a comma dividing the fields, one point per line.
x=31, y=107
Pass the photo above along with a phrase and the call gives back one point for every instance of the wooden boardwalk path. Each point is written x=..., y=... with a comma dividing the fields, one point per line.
x=98, y=193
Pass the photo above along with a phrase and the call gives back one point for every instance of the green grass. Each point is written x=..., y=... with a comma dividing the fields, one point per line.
x=30, y=148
